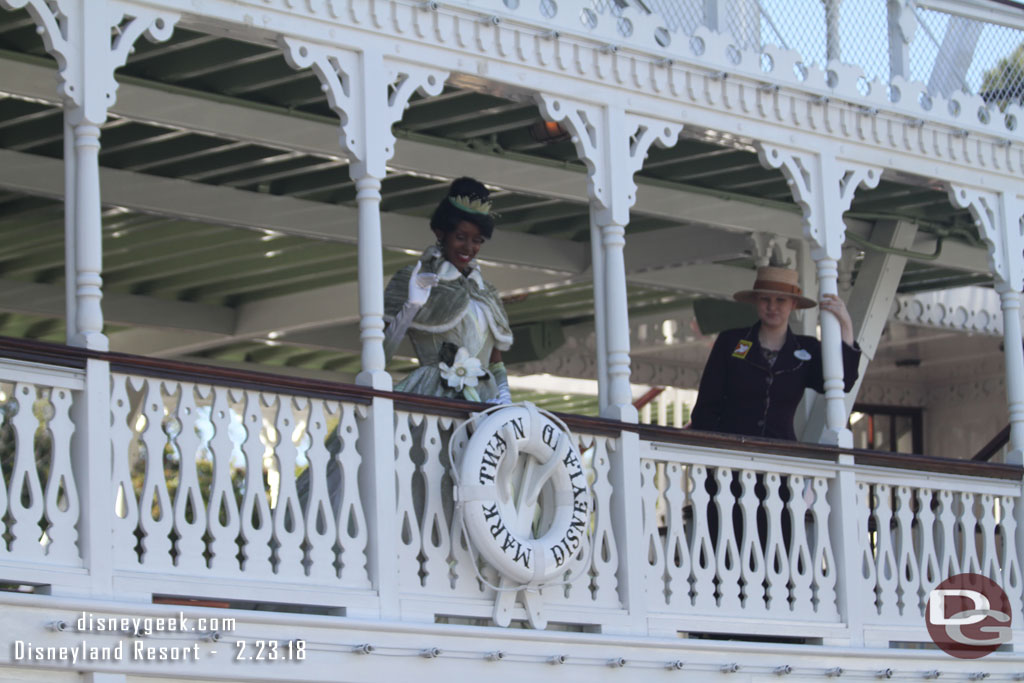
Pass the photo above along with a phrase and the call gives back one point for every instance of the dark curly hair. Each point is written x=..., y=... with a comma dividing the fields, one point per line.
x=447, y=215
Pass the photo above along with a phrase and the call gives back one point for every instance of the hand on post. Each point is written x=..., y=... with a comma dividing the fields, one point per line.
x=837, y=307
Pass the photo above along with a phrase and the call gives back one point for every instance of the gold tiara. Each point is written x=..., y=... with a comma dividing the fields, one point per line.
x=470, y=205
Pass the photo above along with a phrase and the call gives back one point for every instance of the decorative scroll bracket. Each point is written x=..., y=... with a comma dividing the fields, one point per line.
x=368, y=93
x=1000, y=220
x=91, y=43
x=823, y=186
x=998, y=216
x=613, y=144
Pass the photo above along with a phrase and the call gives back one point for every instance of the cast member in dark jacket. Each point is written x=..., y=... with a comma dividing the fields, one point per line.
x=755, y=377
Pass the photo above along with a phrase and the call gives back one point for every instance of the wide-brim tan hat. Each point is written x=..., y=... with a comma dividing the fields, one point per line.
x=776, y=281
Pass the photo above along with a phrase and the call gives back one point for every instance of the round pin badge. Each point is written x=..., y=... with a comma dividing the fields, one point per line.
x=802, y=354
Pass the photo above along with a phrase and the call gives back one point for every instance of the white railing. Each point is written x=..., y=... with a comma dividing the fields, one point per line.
x=39, y=500
x=205, y=485
x=738, y=541
x=252, y=490
x=918, y=530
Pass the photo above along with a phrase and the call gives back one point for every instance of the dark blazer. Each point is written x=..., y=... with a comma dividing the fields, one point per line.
x=740, y=394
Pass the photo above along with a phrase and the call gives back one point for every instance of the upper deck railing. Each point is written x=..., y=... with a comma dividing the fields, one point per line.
x=259, y=490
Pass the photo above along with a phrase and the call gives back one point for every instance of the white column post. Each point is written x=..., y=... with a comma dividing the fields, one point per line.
x=88, y=236
x=369, y=94
x=600, y=331
x=613, y=144
x=371, y=282
x=832, y=358
x=869, y=302
x=620, y=395
x=823, y=186
x=849, y=540
x=999, y=215
x=70, y=269
x=82, y=43
x=1013, y=348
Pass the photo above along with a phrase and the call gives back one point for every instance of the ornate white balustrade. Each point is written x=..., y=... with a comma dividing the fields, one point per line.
x=921, y=529
x=735, y=539
x=231, y=457
x=39, y=499
x=251, y=490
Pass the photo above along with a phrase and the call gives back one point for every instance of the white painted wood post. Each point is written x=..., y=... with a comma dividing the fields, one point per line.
x=902, y=25
x=869, y=303
x=614, y=144
x=1013, y=350
x=88, y=244
x=832, y=358
x=369, y=94
x=999, y=216
x=620, y=396
x=92, y=465
x=600, y=330
x=823, y=186
x=371, y=283
x=70, y=269
x=81, y=41
x=89, y=58
x=853, y=594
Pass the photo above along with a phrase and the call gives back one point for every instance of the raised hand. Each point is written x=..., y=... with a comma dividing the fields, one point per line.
x=420, y=285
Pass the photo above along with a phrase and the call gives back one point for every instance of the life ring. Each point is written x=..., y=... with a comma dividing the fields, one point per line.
x=484, y=493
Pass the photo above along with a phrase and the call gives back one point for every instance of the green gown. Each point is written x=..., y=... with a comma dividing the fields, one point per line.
x=462, y=311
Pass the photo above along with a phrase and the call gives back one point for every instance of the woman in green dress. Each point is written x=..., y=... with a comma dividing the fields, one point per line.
x=453, y=317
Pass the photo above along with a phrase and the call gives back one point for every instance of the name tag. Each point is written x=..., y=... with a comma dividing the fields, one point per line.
x=742, y=348
x=802, y=354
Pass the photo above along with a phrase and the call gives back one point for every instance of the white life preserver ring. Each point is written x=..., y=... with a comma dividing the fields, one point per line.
x=485, y=494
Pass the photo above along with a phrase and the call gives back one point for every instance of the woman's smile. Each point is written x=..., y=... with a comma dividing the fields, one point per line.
x=461, y=245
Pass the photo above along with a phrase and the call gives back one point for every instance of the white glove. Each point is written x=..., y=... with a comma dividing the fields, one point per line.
x=420, y=285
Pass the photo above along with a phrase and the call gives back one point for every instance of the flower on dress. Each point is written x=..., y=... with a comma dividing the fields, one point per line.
x=464, y=372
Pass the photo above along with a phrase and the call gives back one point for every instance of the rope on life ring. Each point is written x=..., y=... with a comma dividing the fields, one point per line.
x=494, y=527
